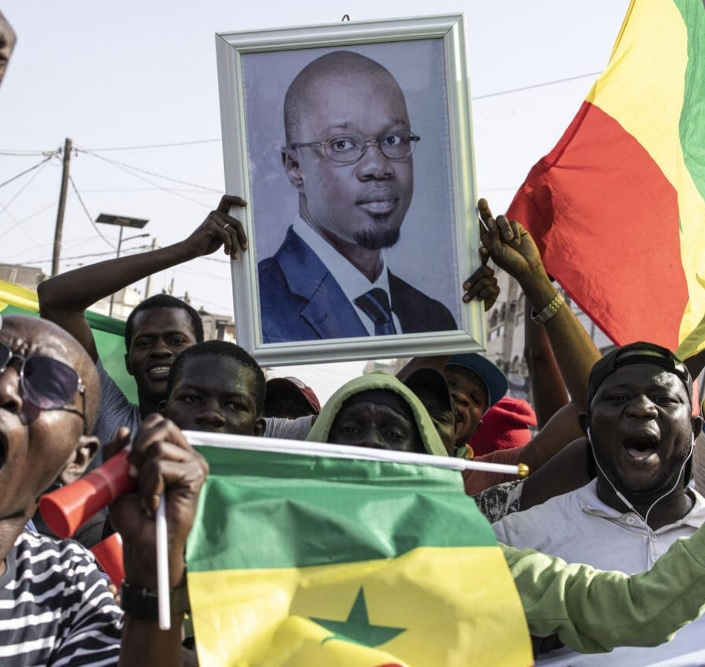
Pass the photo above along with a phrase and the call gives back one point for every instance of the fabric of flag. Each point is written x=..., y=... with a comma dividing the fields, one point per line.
x=306, y=561
x=109, y=333
x=617, y=207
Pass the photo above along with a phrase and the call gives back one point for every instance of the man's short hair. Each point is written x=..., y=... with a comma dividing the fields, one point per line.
x=164, y=301
x=224, y=349
x=330, y=64
x=637, y=353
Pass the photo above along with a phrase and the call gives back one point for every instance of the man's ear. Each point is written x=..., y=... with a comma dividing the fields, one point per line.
x=78, y=463
x=697, y=423
x=584, y=421
x=292, y=168
x=127, y=363
x=260, y=426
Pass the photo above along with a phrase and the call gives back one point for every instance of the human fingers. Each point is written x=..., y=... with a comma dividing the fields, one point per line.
x=155, y=429
x=486, y=292
x=164, y=458
x=508, y=230
x=169, y=474
x=232, y=225
x=490, y=233
x=483, y=273
x=168, y=468
x=120, y=440
x=228, y=201
x=482, y=285
x=237, y=230
x=484, y=254
x=231, y=231
x=483, y=209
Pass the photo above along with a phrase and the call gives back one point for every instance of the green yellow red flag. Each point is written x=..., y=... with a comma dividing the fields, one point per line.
x=305, y=561
x=109, y=333
x=617, y=207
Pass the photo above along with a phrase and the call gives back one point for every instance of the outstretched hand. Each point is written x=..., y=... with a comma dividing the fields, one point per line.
x=163, y=463
x=219, y=229
x=508, y=244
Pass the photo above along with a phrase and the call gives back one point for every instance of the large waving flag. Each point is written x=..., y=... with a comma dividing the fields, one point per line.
x=617, y=207
x=109, y=333
x=309, y=561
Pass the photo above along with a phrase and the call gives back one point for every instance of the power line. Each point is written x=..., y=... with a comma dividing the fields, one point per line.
x=536, y=85
x=131, y=170
x=25, y=153
x=134, y=148
x=88, y=215
x=152, y=189
x=26, y=171
x=149, y=173
x=131, y=251
x=182, y=270
x=16, y=224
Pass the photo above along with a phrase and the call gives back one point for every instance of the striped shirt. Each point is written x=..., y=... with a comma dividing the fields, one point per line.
x=55, y=608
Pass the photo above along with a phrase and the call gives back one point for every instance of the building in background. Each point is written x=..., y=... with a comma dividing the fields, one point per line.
x=24, y=276
x=505, y=334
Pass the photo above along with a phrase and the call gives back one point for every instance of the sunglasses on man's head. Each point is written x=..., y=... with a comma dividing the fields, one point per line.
x=46, y=383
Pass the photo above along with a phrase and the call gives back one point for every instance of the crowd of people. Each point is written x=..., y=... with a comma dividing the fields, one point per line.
x=609, y=441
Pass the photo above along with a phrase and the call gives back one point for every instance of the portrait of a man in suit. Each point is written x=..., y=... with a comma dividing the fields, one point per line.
x=349, y=156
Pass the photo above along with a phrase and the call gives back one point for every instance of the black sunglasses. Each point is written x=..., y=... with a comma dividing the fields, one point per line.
x=46, y=383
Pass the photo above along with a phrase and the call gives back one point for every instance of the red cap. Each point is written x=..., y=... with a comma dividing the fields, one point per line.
x=293, y=385
x=504, y=426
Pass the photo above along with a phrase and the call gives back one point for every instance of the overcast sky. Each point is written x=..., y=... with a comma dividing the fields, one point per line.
x=129, y=75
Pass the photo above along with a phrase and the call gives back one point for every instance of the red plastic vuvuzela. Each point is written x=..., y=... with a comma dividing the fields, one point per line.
x=109, y=554
x=65, y=509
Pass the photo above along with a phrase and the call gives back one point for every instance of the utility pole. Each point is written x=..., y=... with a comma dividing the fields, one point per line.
x=62, y=207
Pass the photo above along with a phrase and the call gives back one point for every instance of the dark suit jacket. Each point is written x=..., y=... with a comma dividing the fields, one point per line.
x=300, y=300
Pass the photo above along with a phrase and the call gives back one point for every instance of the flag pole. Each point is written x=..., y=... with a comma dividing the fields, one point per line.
x=162, y=566
x=253, y=443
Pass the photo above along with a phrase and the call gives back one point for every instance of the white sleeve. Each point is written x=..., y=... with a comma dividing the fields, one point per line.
x=288, y=429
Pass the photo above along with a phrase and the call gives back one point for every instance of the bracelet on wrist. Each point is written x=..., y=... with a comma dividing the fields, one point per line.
x=141, y=603
x=549, y=311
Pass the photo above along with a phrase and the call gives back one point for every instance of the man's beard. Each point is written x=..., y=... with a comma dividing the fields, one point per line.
x=377, y=237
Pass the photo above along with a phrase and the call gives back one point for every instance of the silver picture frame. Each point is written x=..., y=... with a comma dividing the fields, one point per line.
x=438, y=247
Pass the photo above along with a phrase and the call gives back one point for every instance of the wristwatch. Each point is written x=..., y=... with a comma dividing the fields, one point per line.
x=549, y=311
x=141, y=603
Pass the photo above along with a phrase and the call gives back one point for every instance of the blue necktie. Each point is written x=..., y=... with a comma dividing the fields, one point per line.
x=375, y=304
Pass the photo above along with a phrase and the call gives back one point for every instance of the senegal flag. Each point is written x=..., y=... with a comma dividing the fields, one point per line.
x=617, y=206
x=109, y=333
x=306, y=561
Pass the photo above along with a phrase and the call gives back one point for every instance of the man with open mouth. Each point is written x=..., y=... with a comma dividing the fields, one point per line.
x=55, y=606
x=641, y=433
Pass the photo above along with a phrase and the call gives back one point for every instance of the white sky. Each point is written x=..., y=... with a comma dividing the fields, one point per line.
x=131, y=73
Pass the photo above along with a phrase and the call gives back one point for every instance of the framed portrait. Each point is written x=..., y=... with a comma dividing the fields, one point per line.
x=352, y=144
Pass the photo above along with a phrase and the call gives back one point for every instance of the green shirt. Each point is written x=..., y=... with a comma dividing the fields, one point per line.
x=594, y=611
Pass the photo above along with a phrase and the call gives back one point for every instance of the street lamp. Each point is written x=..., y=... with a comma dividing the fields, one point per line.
x=122, y=221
